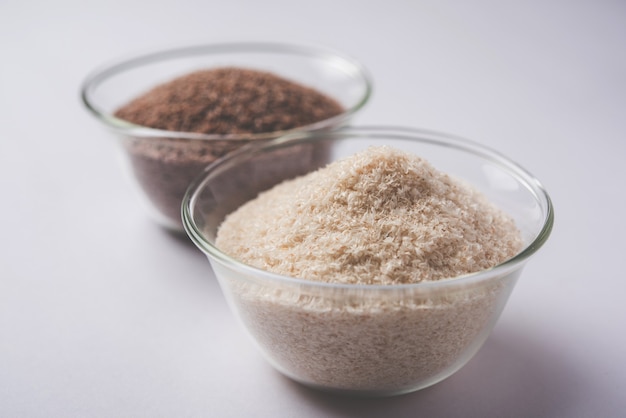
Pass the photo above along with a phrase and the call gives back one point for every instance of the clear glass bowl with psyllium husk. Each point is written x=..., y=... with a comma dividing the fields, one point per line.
x=176, y=111
x=380, y=266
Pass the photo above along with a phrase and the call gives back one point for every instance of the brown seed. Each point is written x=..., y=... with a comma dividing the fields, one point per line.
x=221, y=101
x=229, y=101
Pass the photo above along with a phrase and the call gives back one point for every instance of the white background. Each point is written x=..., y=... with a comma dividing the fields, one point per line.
x=104, y=314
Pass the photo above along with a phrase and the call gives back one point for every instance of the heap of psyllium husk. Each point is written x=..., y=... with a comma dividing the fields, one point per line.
x=379, y=217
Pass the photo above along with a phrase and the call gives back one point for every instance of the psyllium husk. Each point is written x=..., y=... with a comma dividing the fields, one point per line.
x=380, y=217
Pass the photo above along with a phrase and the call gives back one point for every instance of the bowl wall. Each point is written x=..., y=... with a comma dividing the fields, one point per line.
x=365, y=342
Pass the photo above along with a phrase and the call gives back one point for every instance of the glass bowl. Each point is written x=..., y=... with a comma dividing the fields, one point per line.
x=371, y=340
x=163, y=163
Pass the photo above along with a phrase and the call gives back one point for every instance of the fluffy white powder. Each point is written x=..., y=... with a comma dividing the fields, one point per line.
x=379, y=217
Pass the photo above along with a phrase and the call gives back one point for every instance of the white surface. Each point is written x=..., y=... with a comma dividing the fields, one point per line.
x=104, y=314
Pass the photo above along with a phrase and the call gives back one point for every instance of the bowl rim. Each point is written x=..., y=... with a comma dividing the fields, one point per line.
x=528, y=180
x=105, y=71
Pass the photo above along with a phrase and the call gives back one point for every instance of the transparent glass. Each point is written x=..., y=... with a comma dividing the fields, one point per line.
x=161, y=163
x=369, y=340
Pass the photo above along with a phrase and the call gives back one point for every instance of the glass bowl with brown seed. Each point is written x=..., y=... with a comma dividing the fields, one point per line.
x=176, y=111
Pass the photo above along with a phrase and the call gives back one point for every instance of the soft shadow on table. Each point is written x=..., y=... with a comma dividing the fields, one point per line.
x=511, y=376
x=179, y=237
